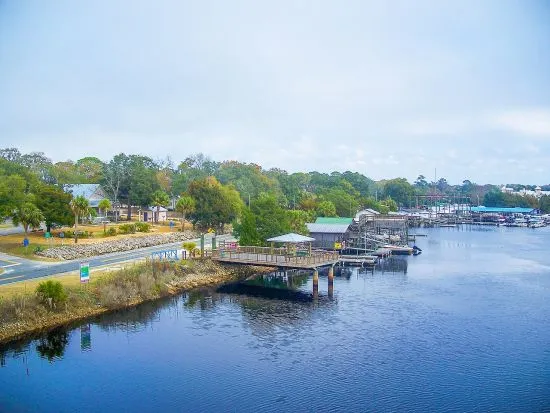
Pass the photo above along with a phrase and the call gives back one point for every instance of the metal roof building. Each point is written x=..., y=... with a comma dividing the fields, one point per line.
x=92, y=192
x=333, y=220
x=327, y=234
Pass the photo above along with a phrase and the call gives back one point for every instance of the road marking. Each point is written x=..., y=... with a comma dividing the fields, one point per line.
x=11, y=278
x=10, y=263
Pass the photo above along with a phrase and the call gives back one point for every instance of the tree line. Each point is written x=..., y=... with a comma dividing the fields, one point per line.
x=211, y=194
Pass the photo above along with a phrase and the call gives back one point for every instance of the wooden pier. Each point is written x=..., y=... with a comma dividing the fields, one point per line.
x=276, y=257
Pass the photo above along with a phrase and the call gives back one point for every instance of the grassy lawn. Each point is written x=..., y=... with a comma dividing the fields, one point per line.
x=13, y=244
x=69, y=280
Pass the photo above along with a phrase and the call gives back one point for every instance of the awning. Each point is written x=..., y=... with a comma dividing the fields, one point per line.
x=291, y=238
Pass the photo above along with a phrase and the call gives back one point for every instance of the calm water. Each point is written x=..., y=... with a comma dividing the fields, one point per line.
x=463, y=327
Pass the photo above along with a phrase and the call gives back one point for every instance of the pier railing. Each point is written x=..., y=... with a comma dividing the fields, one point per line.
x=275, y=256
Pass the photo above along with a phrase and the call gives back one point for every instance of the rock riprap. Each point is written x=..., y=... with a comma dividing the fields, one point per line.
x=76, y=251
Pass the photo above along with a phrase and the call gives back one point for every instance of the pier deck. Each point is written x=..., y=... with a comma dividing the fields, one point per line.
x=275, y=257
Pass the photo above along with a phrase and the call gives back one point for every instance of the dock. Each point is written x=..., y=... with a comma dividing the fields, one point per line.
x=276, y=257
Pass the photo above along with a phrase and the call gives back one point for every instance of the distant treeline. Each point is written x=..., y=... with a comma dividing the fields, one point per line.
x=222, y=191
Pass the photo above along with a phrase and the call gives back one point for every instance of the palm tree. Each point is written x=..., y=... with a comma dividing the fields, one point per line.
x=80, y=207
x=160, y=199
x=28, y=215
x=184, y=206
x=104, y=205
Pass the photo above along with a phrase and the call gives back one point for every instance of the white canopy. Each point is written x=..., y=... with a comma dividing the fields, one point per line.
x=291, y=238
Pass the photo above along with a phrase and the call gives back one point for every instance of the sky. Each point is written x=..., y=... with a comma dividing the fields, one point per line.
x=453, y=89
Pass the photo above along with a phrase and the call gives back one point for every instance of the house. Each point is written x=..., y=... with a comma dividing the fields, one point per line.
x=150, y=213
x=93, y=193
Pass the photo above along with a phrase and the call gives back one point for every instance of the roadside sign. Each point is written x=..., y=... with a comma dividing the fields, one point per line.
x=84, y=272
x=337, y=245
x=26, y=242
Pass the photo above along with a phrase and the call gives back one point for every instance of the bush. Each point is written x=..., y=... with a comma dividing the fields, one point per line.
x=127, y=228
x=189, y=247
x=142, y=227
x=111, y=232
x=51, y=292
x=38, y=248
x=81, y=234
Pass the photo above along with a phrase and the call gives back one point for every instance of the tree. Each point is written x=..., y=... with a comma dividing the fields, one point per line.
x=10, y=154
x=326, y=209
x=27, y=215
x=90, y=169
x=271, y=218
x=105, y=205
x=80, y=207
x=160, y=199
x=184, y=206
x=421, y=182
x=247, y=230
x=399, y=190
x=217, y=204
x=54, y=204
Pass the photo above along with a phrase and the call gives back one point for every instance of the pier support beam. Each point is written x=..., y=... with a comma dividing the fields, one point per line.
x=331, y=281
x=315, y=284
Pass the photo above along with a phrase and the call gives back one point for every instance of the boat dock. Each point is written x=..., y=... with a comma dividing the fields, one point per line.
x=276, y=257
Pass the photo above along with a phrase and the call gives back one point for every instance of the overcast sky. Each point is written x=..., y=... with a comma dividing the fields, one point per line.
x=384, y=88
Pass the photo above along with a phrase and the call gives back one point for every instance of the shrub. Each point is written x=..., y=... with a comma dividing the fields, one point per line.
x=38, y=248
x=51, y=292
x=127, y=228
x=142, y=227
x=189, y=247
x=111, y=232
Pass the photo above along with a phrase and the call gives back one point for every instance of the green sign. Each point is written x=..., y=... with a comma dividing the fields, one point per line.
x=84, y=272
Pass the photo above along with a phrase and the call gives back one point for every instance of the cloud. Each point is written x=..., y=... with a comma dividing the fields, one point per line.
x=528, y=122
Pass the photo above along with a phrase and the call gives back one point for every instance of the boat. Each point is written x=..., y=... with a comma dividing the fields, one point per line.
x=397, y=250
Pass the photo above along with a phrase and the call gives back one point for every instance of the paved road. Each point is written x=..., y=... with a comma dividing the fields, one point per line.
x=21, y=269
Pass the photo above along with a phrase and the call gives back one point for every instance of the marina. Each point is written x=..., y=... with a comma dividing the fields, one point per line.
x=414, y=327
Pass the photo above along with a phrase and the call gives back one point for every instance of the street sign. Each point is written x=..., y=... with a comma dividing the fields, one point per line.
x=84, y=272
x=337, y=245
x=26, y=242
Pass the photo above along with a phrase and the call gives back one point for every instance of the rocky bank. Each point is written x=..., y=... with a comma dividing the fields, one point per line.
x=77, y=251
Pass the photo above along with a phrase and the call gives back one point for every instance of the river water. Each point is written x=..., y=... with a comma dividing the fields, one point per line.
x=465, y=326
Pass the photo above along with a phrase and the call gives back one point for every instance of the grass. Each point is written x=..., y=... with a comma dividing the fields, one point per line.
x=13, y=244
x=22, y=313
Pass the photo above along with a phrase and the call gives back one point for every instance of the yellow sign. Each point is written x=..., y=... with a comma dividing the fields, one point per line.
x=337, y=245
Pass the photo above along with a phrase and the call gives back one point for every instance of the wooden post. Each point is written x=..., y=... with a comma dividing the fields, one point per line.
x=331, y=281
x=315, y=284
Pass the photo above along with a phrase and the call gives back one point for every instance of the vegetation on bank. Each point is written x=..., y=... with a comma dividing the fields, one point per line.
x=211, y=194
x=54, y=303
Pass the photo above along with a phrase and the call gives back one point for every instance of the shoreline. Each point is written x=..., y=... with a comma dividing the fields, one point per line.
x=204, y=273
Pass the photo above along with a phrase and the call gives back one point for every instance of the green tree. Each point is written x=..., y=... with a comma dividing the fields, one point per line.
x=247, y=230
x=271, y=218
x=80, y=207
x=160, y=199
x=326, y=209
x=27, y=215
x=297, y=220
x=216, y=204
x=184, y=206
x=544, y=204
x=54, y=204
x=105, y=205
x=399, y=190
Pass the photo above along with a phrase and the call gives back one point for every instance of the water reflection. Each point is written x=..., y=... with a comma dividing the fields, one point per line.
x=52, y=346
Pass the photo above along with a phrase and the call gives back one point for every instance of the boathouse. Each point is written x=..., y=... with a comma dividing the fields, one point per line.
x=330, y=233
